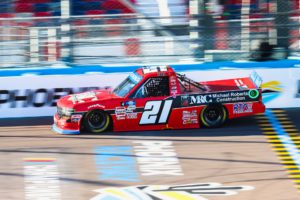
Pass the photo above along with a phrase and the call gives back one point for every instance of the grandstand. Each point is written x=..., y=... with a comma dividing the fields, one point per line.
x=46, y=8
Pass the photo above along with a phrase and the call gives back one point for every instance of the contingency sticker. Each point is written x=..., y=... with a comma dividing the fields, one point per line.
x=189, y=117
x=240, y=108
x=197, y=191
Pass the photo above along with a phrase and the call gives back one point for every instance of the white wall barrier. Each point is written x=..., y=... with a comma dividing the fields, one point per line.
x=33, y=96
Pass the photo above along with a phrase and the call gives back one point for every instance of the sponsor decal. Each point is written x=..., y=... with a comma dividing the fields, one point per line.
x=36, y=97
x=197, y=191
x=76, y=118
x=41, y=179
x=96, y=106
x=200, y=99
x=131, y=115
x=147, y=70
x=120, y=113
x=221, y=97
x=129, y=103
x=126, y=112
x=253, y=94
x=298, y=90
x=173, y=84
x=240, y=108
x=157, y=158
x=189, y=117
x=81, y=97
x=161, y=73
x=241, y=85
x=185, y=101
x=116, y=163
x=272, y=90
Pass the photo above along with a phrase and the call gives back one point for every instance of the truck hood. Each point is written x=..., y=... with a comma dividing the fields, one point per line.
x=229, y=85
x=70, y=101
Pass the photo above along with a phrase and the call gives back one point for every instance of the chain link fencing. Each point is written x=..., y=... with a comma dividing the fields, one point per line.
x=111, y=36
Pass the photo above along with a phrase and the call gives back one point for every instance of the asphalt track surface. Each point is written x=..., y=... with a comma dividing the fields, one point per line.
x=237, y=154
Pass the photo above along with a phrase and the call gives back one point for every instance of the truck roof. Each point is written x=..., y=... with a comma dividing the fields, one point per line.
x=155, y=71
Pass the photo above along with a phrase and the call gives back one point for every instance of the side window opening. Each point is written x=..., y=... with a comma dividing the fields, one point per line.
x=156, y=87
x=153, y=87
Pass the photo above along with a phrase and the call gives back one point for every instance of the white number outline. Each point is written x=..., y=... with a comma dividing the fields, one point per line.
x=156, y=112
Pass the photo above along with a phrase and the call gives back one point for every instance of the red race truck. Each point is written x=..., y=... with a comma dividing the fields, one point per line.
x=156, y=98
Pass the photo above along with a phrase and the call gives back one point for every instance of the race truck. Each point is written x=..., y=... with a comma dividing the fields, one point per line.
x=157, y=98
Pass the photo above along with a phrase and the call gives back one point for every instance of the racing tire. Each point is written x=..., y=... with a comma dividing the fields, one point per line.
x=213, y=116
x=96, y=121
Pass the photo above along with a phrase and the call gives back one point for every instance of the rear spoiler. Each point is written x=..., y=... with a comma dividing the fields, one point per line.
x=256, y=79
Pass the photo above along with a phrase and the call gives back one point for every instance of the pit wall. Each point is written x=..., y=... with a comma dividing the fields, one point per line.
x=33, y=92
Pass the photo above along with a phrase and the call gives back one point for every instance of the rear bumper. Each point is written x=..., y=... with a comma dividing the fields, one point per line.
x=259, y=108
x=61, y=126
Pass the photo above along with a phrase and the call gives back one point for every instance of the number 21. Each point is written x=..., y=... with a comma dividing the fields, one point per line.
x=156, y=112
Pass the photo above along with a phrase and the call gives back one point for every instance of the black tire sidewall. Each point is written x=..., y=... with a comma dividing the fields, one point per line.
x=101, y=129
x=222, y=116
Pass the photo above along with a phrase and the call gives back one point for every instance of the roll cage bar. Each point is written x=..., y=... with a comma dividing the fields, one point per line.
x=183, y=79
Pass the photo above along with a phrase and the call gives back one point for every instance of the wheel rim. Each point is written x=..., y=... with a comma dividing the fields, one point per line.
x=97, y=120
x=213, y=115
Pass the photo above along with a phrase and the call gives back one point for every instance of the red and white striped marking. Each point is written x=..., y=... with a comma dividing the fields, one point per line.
x=241, y=85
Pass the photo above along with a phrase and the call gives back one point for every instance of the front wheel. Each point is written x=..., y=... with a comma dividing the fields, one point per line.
x=213, y=116
x=96, y=121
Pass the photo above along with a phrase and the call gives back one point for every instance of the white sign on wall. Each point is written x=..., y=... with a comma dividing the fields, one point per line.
x=32, y=96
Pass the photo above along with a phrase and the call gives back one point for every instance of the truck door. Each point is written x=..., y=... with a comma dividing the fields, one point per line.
x=153, y=110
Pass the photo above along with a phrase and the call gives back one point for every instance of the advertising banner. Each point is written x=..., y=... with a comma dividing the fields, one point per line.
x=33, y=96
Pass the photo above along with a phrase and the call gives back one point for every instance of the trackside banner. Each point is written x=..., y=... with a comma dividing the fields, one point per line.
x=33, y=96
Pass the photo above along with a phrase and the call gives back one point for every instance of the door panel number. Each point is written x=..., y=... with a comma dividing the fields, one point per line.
x=156, y=112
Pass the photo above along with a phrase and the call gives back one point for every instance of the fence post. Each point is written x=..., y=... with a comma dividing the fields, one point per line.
x=281, y=21
x=52, y=45
x=196, y=12
x=245, y=25
x=34, y=44
x=65, y=31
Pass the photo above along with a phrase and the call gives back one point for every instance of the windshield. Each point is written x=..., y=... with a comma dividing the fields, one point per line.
x=125, y=87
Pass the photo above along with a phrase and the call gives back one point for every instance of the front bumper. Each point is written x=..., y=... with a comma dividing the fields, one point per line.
x=64, y=131
x=63, y=127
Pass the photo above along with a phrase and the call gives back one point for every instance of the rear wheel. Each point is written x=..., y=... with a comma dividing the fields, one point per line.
x=213, y=116
x=96, y=121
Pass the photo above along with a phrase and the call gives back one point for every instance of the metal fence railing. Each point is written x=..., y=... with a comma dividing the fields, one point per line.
x=134, y=38
x=120, y=38
x=254, y=36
